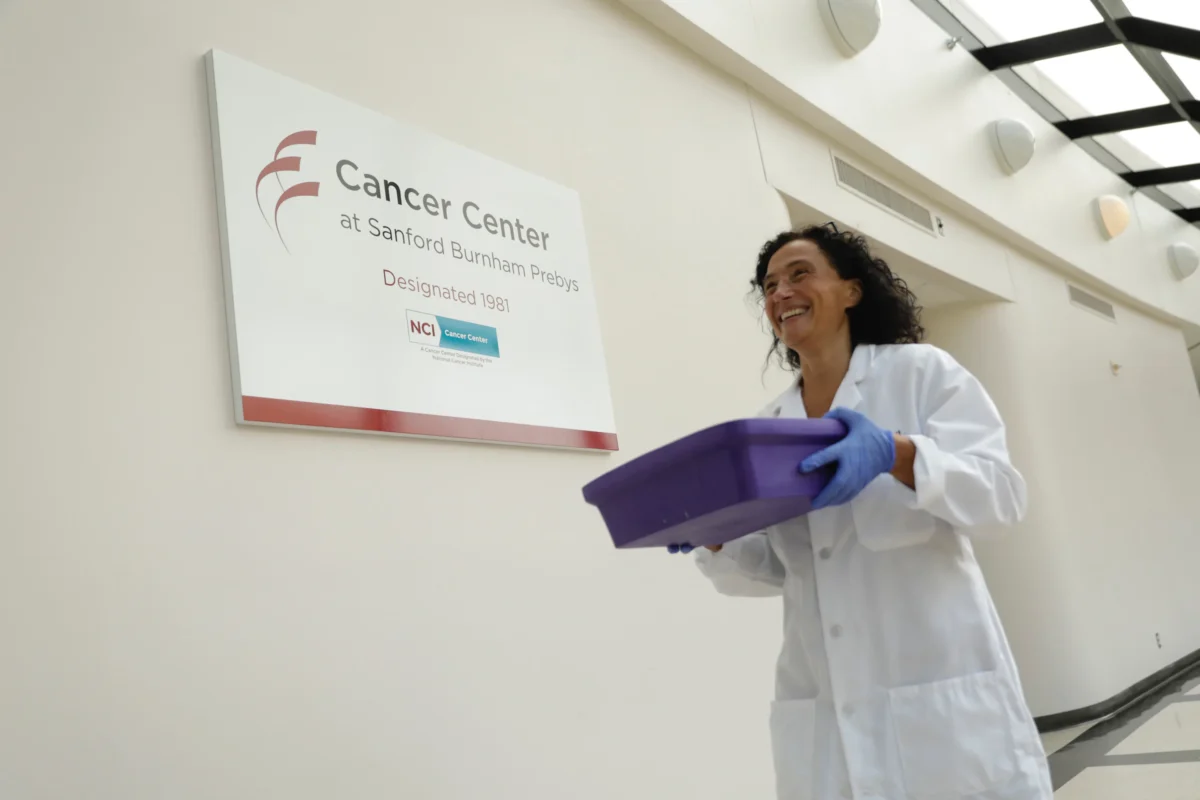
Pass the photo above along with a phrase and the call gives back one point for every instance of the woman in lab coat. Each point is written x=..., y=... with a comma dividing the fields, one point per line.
x=895, y=679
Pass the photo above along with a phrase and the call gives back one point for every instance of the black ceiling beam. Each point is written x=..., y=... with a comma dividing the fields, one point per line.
x=1163, y=175
x=1161, y=36
x=1189, y=214
x=1121, y=121
x=1039, y=48
x=1129, y=120
x=1145, y=32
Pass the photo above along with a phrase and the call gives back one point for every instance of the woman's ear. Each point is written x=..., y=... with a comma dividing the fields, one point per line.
x=856, y=293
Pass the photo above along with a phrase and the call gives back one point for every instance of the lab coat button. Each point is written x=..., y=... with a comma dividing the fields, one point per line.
x=836, y=631
x=825, y=553
x=777, y=411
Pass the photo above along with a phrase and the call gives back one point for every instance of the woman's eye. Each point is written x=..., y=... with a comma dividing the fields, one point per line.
x=798, y=274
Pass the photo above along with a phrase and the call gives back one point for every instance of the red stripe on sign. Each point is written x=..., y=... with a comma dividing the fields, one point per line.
x=319, y=415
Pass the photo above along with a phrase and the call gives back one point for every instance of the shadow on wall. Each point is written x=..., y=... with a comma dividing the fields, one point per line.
x=1193, y=341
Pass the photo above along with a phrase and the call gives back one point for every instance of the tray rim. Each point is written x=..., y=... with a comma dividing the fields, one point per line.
x=736, y=435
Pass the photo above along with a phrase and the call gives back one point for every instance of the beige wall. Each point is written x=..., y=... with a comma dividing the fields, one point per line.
x=1106, y=559
x=191, y=610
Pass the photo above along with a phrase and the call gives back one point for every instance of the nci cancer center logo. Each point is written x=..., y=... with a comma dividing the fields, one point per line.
x=279, y=165
x=452, y=334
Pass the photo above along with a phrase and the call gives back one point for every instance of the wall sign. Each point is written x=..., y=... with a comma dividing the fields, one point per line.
x=379, y=278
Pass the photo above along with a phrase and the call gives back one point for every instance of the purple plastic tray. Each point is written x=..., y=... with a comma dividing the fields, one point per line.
x=716, y=485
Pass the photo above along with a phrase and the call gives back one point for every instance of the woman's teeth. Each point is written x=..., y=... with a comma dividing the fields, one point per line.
x=792, y=312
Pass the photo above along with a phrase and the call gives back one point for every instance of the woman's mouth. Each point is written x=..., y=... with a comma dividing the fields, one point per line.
x=793, y=312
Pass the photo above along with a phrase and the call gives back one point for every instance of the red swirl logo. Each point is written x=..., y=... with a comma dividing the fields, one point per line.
x=277, y=167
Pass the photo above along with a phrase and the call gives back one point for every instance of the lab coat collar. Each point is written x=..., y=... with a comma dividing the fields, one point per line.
x=791, y=402
x=848, y=395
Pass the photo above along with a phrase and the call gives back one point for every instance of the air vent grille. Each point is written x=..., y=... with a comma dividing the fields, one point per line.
x=1092, y=303
x=852, y=178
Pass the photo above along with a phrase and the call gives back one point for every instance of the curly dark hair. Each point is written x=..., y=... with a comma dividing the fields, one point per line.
x=887, y=313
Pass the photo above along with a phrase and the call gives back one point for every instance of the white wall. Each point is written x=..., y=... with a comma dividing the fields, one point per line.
x=798, y=163
x=191, y=610
x=194, y=610
x=1106, y=559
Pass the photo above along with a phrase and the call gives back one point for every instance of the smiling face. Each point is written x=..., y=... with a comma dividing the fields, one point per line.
x=805, y=299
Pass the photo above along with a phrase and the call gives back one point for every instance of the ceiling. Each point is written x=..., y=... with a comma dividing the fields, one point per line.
x=1119, y=77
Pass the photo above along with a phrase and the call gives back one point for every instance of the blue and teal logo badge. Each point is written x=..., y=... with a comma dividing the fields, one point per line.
x=453, y=334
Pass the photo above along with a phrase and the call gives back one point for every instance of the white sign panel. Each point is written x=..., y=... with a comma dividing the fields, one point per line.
x=380, y=278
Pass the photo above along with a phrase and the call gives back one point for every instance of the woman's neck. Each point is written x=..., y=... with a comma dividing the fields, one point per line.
x=822, y=372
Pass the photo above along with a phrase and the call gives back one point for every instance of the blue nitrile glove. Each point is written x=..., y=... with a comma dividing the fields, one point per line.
x=867, y=452
x=679, y=548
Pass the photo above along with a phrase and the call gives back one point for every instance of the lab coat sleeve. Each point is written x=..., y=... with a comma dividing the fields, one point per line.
x=746, y=567
x=963, y=473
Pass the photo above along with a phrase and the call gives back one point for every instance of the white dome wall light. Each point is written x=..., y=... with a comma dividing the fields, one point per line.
x=1113, y=214
x=1184, y=260
x=1014, y=143
x=852, y=24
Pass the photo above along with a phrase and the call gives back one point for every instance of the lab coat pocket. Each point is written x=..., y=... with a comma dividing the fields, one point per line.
x=885, y=519
x=793, y=736
x=954, y=736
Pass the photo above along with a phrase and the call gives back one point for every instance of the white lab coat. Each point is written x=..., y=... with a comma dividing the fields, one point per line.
x=895, y=680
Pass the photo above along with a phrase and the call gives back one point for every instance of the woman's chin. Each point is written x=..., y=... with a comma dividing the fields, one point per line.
x=797, y=337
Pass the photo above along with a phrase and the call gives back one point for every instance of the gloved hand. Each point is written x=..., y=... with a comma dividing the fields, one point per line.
x=867, y=452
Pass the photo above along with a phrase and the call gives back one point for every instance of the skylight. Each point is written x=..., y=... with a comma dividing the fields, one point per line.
x=1103, y=81
x=1014, y=20
x=1122, y=77
x=1188, y=70
x=1167, y=145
